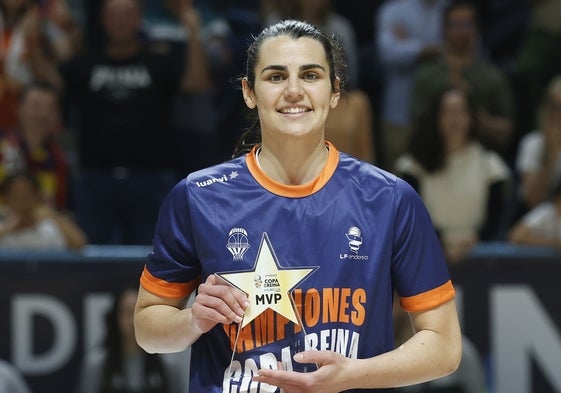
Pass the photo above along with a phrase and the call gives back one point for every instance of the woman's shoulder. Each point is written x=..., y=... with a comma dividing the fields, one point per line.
x=218, y=169
x=365, y=173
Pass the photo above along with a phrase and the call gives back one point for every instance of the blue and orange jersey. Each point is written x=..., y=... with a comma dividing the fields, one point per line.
x=365, y=232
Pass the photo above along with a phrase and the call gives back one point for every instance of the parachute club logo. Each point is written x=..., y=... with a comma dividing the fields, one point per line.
x=354, y=237
x=237, y=243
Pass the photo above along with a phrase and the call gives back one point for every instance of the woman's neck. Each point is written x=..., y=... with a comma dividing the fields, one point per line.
x=294, y=163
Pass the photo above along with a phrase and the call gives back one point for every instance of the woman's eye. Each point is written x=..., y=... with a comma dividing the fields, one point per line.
x=310, y=76
x=275, y=78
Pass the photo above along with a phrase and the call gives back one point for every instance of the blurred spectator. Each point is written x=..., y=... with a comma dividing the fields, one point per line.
x=502, y=27
x=322, y=14
x=32, y=145
x=34, y=38
x=10, y=379
x=128, y=156
x=119, y=365
x=31, y=224
x=538, y=60
x=409, y=33
x=195, y=115
x=462, y=65
x=350, y=126
x=538, y=162
x=463, y=185
x=541, y=226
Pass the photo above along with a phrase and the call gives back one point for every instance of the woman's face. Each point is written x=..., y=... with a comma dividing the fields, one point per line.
x=454, y=119
x=293, y=92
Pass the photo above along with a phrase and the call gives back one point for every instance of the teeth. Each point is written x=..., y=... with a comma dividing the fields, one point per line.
x=293, y=110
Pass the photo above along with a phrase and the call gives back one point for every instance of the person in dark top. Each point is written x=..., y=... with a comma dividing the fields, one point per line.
x=123, y=95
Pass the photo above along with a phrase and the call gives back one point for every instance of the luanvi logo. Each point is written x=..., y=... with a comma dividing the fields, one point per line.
x=212, y=180
x=222, y=179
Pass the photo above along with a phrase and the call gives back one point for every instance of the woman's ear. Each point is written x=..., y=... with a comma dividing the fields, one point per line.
x=336, y=93
x=248, y=95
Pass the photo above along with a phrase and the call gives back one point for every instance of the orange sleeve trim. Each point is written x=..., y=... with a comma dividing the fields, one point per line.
x=160, y=287
x=429, y=299
x=294, y=191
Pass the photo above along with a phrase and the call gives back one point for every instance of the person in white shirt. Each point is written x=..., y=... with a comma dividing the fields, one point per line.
x=538, y=161
x=28, y=222
x=541, y=226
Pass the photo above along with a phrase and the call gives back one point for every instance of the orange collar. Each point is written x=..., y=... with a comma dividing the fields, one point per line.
x=294, y=191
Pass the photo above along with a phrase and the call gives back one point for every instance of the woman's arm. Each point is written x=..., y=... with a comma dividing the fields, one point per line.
x=164, y=325
x=433, y=352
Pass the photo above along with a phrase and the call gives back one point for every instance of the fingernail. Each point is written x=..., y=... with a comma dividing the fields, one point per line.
x=238, y=319
x=245, y=305
x=298, y=356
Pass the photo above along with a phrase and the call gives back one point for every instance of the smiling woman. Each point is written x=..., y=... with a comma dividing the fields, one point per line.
x=335, y=235
x=293, y=95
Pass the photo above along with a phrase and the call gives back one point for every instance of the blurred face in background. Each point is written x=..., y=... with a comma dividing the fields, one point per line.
x=23, y=198
x=39, y=113
x=460, y=30
x=315, y=10
x=121, y=21
x=454, y=120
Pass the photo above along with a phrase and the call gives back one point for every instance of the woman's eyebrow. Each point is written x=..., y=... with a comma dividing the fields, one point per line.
x=311, y=66
x=284, y=68
x=274, y=67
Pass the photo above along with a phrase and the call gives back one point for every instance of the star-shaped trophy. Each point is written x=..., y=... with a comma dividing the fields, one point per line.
x=269, y=286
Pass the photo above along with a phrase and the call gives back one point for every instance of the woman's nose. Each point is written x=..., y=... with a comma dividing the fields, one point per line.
x=293, y=88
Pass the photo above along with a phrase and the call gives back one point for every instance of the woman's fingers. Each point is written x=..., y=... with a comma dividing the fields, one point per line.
x=219, y=302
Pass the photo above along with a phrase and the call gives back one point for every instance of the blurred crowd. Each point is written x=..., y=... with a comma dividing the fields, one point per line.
x=108, y=103
x=105, y=104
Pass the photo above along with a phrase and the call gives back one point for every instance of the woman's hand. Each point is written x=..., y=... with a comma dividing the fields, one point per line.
x=218, y=302
x=328, y=378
